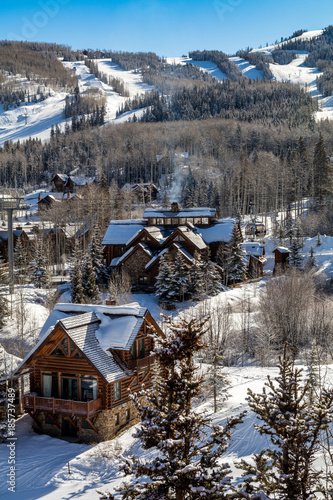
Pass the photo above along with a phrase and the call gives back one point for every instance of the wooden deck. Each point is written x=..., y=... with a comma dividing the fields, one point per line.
x=142, y=363
x=64, y=406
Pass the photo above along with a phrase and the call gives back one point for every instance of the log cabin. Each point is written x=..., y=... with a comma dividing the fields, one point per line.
x=136, y=245
x=86, y=363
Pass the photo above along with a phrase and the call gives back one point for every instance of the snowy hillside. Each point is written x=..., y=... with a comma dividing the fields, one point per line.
x=35, y=119
x=133, y=84
x=206, y=66
x=247, y=69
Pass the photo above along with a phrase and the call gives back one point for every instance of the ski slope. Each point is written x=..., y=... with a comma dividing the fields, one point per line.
x=35, y=119
x=207, y=66
x=133, y=83
x=247, y=69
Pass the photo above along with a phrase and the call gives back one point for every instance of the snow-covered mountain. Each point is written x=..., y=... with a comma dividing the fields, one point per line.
x=35, y=119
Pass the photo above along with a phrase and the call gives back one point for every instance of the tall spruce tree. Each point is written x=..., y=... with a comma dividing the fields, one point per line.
x=295, y=258
x=40, y=271
x=77, y=293
x=187, y=465
x=235, y=261
x=165, y=286
x=90, y=289
x=320, y=172
x=20, y=257
x=97, y=262
x=293, y=424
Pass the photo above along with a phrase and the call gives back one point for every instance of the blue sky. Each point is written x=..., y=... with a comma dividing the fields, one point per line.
x=169, y=28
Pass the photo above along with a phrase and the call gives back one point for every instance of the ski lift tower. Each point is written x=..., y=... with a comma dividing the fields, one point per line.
x=10, y=205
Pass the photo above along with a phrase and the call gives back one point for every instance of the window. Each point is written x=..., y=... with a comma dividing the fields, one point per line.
x=143, y=280
x=116, y=391
x=205, y=220
x=88, y=389
x=142, y=348
x=128, y=415
x=50, y=385
x=133, y=350
x=116, y=419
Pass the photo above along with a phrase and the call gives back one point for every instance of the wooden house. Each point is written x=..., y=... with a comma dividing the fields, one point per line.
x=87, y=361
x=46, y=202
x=135, y=246
x=75, y=183
x=281, y=260
x=145, y=191
x=63, y=183
x=59, y=181
x=255, y=257
x=17, y=234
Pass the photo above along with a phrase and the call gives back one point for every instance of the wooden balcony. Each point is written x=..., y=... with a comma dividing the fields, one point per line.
x=142, y=363
x=64, y=406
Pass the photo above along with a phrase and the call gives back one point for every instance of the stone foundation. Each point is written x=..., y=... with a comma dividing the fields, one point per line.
x=109, y=423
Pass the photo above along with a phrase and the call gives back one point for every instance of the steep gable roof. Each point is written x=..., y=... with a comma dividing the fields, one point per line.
x=191, y=236
x=118, y=260
x=121, y=232
x=95, y=330
x=178, y=247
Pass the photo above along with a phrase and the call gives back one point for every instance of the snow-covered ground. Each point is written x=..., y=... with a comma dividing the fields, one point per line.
x=206, y=66
x=132, y=81
x=308, y=35
x=42, y=461
x=35, y=119
x=247, y=69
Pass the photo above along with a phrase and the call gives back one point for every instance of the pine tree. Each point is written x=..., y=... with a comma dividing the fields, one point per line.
x=181, y=277
x=189, y=447
x=197, y=287
x=311, y=262
x=90, y=289
x=165, y=286
x=97, y=262
x=295, y=258
x=20, y=257
x=212, y=278
x=294, y=426
x=235, y=261
x=215, y=381
x=40, y=272
x=77, y=293
x=320, y=171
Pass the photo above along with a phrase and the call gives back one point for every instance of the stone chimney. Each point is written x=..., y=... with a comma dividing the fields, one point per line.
x=174, y=207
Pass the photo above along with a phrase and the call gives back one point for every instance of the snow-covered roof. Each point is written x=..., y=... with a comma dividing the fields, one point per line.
x=4, y=234
x=195, y=238
x=96, y=329
x=155, y=232
x=281, y=249
x=80, y=180
x=253, y=248
x=63, y=177
x=120, y=232
x=218, y=232
x=179, y=247
x=82, y=330
x=182, y=212
x=143, y=246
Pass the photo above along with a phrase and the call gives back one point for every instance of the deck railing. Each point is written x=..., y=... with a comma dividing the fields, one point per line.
x=68, y=406
x=142, y=363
